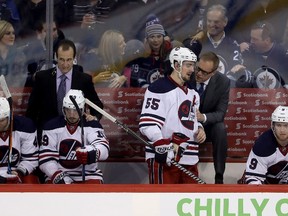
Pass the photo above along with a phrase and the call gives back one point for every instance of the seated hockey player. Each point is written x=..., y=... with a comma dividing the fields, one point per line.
x=20, y=132
x=62, y=156
x=268, y=160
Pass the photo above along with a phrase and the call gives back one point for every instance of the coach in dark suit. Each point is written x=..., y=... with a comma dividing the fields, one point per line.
x=213, y=88
x=43, y=104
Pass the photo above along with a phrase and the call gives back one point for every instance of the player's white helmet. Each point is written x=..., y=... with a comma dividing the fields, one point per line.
x=77, y=95
x=280, y=114
x=181, y=54
x=4, y=108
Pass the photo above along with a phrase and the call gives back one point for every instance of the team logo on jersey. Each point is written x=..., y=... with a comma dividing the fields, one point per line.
x=67, y=153
x=223, y=66
x=4, y=151
x=267, y=78
x=154, y=75
x=186, y=114
x=278, y=172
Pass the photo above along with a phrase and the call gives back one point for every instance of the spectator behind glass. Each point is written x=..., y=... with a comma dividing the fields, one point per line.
x=133, y=51
x=91, y=17
x=9, y=13
x=266, y=59
x=218, y=41
x=150, y=68
x=106, y=63
x=12, y=60
x=31, y=11
x=247, y=13
x=35, y=49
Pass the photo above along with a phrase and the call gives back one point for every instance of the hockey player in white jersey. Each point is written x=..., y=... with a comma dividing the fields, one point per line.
x=62, y=156
x=169, y=122
x=24, y=156
x=268, y=160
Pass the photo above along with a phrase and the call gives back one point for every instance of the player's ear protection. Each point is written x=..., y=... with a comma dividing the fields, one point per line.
x=177, y=65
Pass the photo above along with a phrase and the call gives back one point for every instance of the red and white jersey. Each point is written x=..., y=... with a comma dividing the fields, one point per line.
x=267, y=162
x=169, y=108
x=59, y=144
x=24, y=146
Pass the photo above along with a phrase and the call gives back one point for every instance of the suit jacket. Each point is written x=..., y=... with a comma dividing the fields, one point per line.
x=42, y=105
x=214, y=101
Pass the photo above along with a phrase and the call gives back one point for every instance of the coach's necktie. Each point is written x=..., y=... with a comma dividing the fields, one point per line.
x=61, y=93
x=201, y=89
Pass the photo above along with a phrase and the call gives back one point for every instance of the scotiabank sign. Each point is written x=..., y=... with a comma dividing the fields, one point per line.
x=248, y=115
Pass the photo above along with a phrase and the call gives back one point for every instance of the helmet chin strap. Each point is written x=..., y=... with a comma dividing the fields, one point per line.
x=179, y=74
x=6, y=127
x=76, y=123
x=66, y=119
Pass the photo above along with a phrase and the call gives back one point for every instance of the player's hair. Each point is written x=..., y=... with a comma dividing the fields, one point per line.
x=210, y=56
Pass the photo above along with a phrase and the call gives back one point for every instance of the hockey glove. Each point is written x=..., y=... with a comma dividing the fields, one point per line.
x=13, y=178
x=177, y=139
x=283, y=181
x=164, y=151
x=87, y=155
x=60, y=177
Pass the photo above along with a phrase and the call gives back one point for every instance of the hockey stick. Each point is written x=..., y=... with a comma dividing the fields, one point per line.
x=82, y=131
x=10, y=101
x=129, y=131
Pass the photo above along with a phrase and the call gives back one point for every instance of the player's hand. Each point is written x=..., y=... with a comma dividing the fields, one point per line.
x=61, y=177
x=200, y=135
x=283, y=181
x=200, y=116
x=90, y=117
x=177, y=140
x=164, y=151
x=87, y=155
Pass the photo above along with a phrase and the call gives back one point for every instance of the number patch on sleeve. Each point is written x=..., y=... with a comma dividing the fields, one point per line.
x=153, y=103
x=253, y=164
x=45, y=140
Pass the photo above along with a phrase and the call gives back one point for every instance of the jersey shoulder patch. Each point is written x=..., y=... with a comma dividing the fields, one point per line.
x=162, y=85
x=93, y=124
x=24, y=124
x=54, y=123
x=265, y=145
